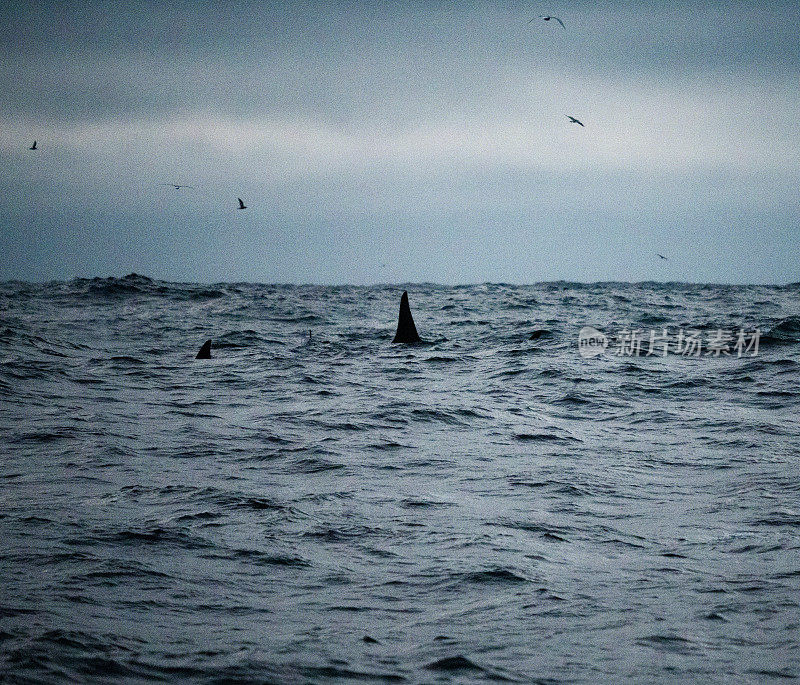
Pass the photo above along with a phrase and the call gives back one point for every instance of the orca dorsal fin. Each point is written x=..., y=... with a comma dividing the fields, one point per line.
x=205, y=351
x=406, y=330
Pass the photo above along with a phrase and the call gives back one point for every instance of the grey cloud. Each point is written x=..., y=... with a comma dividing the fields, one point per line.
x=339, y=62
x=430, y=135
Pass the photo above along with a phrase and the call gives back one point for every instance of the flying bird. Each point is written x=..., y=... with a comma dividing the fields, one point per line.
x=573, y=120
x=662, y=256
x=177, y=186
x=241, y=204
x=33, y=147
x=548, y=17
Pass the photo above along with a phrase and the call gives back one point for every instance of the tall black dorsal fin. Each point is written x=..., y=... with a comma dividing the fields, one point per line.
x=205, y=351
x=406, y=330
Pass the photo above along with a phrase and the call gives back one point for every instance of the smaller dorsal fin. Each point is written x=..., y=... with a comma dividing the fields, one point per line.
x=205, y=351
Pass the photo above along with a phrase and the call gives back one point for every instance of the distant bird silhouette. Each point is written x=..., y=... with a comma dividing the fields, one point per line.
x=548, y=17
x=241, y=204
x=573, y=120
x=33, y=147
x=662, y=256
x=177, y=186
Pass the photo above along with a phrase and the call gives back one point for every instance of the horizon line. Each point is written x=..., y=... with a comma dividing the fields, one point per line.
x=404, y=284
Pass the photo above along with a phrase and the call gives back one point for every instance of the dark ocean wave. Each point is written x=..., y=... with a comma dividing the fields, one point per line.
x=786, y=331
x=488, y=506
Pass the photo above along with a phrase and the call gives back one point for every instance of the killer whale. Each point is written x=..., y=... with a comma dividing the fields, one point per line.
x=205, y=351
x=406, y=330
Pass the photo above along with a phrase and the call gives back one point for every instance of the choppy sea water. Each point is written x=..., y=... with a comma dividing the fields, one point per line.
x=333, y=509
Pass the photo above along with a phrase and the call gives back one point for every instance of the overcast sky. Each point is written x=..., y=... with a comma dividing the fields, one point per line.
x=392, y=141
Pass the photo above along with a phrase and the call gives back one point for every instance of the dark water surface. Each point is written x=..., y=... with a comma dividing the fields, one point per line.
x=486, y=507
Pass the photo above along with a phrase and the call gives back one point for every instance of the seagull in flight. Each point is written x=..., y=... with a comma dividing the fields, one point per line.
x=573, y=120
x=662, y=256
x=33, y=147
x=548, y=17
x=241, y=204
x=177, y=186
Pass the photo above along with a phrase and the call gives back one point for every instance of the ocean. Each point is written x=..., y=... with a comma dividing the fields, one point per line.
x=314, y=504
